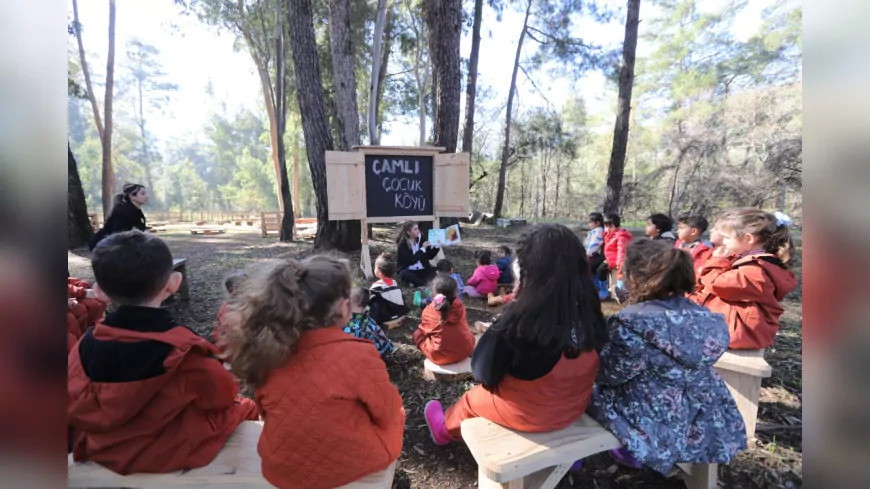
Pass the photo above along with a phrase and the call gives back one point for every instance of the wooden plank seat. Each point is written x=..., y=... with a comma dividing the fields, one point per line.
x=512, y=460
x=270, y=222
x=742, y=371
x=237, y=465
x=207, y=229
x=447, y=373
x=395, y=323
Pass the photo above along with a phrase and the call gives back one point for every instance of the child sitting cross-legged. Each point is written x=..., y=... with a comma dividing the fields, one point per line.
x=443, y=335
x=656, y=389
x=505, y=265
x=331, y=415
x=386, y=302
x=537, y=361
x=363, y=326
x=747, y=277
x=485, y=277
x=147, y=394
x=444, y=266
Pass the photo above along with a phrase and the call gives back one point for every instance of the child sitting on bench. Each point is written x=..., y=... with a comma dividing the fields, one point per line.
x=363, y=326
x=656, y=390
x=747, y=277
x=146, y=394
x=386, y=303
x=537, y=362
x=443, y=335
x=331, y=415
x=689, y=231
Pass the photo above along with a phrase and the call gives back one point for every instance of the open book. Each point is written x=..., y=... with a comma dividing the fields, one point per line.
x=445, y=237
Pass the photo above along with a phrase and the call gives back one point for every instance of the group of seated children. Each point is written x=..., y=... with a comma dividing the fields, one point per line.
x=148, y=395
x=551, y=356
x=83, y=310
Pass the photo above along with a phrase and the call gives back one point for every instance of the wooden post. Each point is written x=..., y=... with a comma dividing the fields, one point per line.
x=365, y=261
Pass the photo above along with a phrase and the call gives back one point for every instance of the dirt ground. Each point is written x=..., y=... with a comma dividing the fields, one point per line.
x=774, y=461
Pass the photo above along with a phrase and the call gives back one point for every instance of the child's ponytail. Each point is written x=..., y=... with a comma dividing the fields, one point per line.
x=780, y=242
x=445, y=289
x=276, y=304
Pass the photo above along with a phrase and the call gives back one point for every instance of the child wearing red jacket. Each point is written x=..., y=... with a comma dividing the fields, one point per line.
x=689, y=231
x=146, y=394
x=747, y=277
x=331, y=415
x=443, y=335
x=616, y=242
x=83, y=309
x=538, y=361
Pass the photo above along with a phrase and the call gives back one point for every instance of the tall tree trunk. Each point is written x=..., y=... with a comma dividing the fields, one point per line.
x=382, y=77
x=447, y=26
x=471, y=84
x=149, y=181
x=432, y=16
x=78, y=226
x=344, y=235
x=502, y=170
x=343, y=74
x=88, y=86
x=296, y=209
x=623, y=110
x=108, y=171
x=288, y=220
x=376, y=72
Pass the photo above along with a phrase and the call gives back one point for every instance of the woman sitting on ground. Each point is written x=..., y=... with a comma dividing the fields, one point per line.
x=414, y=256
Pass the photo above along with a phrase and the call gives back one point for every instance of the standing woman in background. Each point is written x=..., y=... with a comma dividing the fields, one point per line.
x=126, y=213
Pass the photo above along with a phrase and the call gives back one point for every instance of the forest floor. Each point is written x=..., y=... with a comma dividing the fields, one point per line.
x=775, y=459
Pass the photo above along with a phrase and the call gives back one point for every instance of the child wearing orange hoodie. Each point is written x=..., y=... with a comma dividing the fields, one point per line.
x=331, y=415
x=485, y=277
x=443, y=335
x=146, y=394
x=538, y=361
x=747, y=277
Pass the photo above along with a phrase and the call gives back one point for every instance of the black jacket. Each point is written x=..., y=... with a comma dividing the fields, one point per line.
x=406, y=258
x=494, y=357
x=123, y=218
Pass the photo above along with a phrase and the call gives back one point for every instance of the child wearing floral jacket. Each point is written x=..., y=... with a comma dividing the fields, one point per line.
x=656, y=388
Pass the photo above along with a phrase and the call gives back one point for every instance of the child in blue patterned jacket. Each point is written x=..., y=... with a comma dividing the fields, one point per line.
x=656, y=388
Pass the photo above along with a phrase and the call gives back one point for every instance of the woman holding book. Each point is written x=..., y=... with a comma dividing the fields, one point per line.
x=413, y=257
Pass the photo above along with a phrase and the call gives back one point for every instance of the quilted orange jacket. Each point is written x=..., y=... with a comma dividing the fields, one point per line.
x=331, y=415
x=747, y=291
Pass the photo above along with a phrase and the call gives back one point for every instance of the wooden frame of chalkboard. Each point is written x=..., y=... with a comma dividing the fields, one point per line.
x=388, y=184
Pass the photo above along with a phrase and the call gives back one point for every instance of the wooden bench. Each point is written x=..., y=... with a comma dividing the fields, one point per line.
x=511, y=460
x=395, y=323
x=237, y=465
x=208, y=229
x=742, y=371
x=446, y=373
x=270, y=222
x=180, y=265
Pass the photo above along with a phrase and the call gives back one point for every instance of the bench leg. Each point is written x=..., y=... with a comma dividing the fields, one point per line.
x=484, y=482
x=184, y=289
x=745, y=389
x=703, y=476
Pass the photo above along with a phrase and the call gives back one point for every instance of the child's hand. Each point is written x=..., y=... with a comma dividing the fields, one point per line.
x=90, y=294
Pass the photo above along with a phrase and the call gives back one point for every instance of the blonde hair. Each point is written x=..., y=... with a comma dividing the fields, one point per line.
x=775, y=239
x=276, y=304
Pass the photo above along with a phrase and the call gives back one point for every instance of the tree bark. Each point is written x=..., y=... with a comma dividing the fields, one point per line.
x=376, y=71
x=431, y=14
x=343, y=74
x=502, y=171
x=471, y=84
x=108, y=171
x=288, y=220
x=78, y=226
x=447, y=25
x=88, y=86
x=344, y=235
x=616, y=170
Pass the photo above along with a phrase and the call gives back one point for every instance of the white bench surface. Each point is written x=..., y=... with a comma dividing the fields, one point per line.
x=462, y=367
x=745, y=362
x=177, y=262
x=236, y=465
x=508, y=455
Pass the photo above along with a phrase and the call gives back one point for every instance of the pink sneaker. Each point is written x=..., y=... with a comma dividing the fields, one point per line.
x=434, y=414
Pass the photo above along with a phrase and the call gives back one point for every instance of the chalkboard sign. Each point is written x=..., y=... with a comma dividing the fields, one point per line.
x=399, y=185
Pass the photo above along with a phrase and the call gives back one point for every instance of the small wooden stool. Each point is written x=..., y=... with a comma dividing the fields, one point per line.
x=447, y=373
x=395, y=323
x=742, y=371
